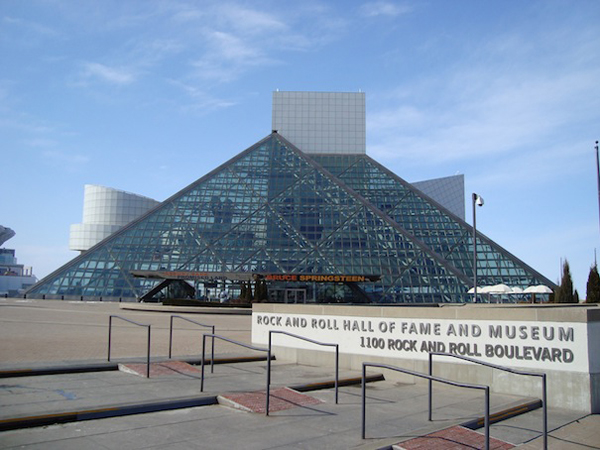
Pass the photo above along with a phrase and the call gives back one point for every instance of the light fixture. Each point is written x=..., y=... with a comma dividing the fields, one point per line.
x=477, y=200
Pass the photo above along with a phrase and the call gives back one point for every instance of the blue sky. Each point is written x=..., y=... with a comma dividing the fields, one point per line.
x=148, y=96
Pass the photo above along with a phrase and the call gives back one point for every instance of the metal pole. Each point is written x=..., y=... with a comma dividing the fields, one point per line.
x=474, y=197
x=212, y=352
x=109, y=330
x=430, y=386
x=170, y=336
x=337, y=370
x=487, y=418
x=202, y=364
x=545, y=411
x=364, y=392
x=268, y=380
x=598, y=174
x=269, y=372
x=148, y=359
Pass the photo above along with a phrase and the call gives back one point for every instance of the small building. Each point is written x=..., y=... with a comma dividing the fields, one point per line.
x=14, y=278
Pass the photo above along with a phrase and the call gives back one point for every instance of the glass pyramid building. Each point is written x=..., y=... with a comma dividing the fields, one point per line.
x=274, y=210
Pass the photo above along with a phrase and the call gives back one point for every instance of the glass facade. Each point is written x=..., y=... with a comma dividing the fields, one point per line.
x=274, y=209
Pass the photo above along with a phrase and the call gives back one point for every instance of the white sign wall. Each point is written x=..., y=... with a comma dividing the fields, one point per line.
x=561, y=346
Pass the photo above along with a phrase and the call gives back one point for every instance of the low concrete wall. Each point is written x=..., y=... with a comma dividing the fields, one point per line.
x=561, y=341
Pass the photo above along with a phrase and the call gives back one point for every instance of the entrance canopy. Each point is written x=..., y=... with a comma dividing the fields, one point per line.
x=193, y=275
x=244, y=276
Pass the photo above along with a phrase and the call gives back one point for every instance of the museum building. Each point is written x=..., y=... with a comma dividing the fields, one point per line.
x=306, y=210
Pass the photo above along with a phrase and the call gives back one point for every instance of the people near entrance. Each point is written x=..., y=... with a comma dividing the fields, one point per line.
x=224, y=296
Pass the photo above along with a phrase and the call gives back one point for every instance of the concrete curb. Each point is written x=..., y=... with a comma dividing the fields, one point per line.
x=109, y=366
x=186, y=309
x=101, y=413
x=147, y=407
x=499, y=416
x=331, y=384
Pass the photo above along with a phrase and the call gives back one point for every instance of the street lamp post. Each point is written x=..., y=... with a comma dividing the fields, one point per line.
x=477, y=201
x=598, y=173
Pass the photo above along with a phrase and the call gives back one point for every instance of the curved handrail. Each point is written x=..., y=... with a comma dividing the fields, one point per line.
x=337, y=353
x=430, y=378
x=135, y=323
x=212, y=327
x=242, y=344
x=505, y=369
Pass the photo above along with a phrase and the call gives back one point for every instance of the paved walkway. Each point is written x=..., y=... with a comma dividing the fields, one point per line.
x=396, y=413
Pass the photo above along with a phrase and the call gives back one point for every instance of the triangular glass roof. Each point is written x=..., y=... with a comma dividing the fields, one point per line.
x=273, y=209
x=429, y=222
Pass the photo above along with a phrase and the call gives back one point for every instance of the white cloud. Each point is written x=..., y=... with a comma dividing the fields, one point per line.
x=41, y=142
x=69, y=161
x=534, y=167
x=382, y=8
x=31, y=28
x=112, y=75
x=201, y=100
x=250, y=21
x=481, y=109
x=228, y=56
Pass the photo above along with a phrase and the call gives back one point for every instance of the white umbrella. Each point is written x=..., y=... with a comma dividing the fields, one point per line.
x=472, y=290
x=539, y=289
x=517, y=290
x=486, y=289
x=498, y=289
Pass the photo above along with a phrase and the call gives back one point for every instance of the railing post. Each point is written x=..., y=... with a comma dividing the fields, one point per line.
x=202, y=372
x=148, y=358
x=337, y=370
x=268, y=380
x=170, y=336
x=337, y=354
x=109, y=332
x=110, y=317
x=430, y=387
x=213, y=336
x=212, y=352
x=545, y=411
x=506, y=369
x=364, y=407
x=487, y=418
x=212, y=327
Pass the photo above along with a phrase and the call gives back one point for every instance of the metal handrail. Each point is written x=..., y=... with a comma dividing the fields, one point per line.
x=337, y=353
x=135, y=323
x=430, y=378
x=505, y=369
x=213, y=336
x=212, y=327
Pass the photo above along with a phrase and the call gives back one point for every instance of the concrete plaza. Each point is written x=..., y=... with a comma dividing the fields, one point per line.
x=38, y=334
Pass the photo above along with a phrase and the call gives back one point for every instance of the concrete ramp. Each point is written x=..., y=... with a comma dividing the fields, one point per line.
x=280, y=400
x=456, y=438
x=161, y=369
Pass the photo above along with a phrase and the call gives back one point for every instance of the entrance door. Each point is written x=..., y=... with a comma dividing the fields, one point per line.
x=295, y=295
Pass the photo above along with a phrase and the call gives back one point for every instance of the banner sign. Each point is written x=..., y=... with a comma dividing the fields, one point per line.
x=316, y=278
x=527, y=344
